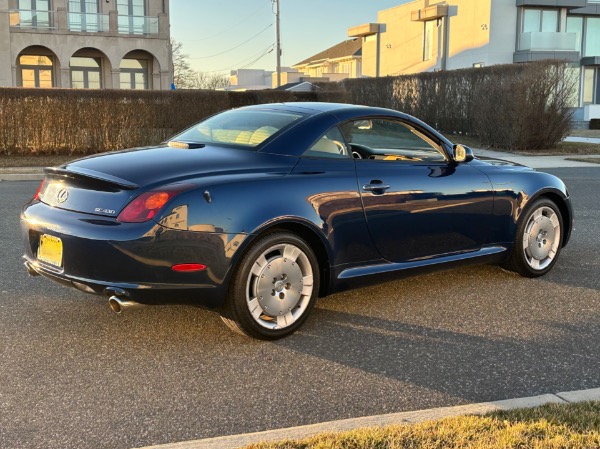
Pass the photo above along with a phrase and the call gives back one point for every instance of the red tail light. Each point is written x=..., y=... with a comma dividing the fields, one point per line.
x=146, y=206
x=39, y=190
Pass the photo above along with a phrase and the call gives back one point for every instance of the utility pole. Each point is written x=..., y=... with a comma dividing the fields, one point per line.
x=278, y=45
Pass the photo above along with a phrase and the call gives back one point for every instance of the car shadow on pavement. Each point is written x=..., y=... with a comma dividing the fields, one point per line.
x=462, y=365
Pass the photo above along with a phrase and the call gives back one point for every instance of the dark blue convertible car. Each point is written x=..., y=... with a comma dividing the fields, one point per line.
x=257, y=211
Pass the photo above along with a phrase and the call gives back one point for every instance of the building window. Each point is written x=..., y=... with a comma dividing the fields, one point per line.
x=575, y=25
x=132, y=18
x=134, y=74
x=540, y=20
x=85, y=73
x=428, y=41
x=36, y=71
x=34, y=13
x=592, y=37
x=591, y=85
x=84, y=16
x=478, y=65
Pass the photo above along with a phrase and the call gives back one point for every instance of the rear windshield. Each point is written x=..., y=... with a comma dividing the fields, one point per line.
x=247, y=128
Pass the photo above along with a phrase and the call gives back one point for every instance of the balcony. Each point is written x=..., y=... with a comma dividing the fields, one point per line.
x=138, y=25
x=88, y=22
x=554, y=3
x=536, y=46
x=548, y=41
x=31, y=19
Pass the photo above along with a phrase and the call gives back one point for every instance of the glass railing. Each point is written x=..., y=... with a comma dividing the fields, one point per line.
x=31, y=19
x=138, y=25
x=548, y=41
x=88, y=22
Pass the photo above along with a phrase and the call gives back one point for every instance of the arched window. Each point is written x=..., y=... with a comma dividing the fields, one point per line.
x=36, y=71
x=134, y=74
x=85, y=73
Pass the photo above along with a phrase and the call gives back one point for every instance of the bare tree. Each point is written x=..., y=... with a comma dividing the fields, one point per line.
x=184, y=76
x=211, y=81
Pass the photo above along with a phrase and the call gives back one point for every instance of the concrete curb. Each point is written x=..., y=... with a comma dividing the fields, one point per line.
x=295, y=433
x=21, y=176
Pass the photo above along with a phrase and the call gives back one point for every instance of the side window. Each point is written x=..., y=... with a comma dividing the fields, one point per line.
x=331, y=145
x=391, y=140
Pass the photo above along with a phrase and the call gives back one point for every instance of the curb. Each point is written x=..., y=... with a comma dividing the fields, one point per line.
x=21, y=177
x=301, y=432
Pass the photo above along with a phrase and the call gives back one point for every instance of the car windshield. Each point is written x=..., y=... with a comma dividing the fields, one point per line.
x=247, y=128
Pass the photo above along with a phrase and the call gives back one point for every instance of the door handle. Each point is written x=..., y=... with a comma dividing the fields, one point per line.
x=376, y=186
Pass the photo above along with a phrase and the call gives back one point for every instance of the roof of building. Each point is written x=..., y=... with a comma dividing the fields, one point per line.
x=300, y=86
x=351, y=47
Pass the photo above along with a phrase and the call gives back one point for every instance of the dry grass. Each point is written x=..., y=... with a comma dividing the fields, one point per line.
x=572, y=426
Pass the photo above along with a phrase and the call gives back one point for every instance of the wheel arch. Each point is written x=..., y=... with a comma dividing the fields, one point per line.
x=309, y=234
x=558, y=198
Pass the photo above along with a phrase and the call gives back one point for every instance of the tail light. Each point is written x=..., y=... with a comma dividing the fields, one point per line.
x=147, y=205
x=38, y=193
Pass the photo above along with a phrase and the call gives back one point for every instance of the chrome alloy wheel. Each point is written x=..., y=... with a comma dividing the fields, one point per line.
x=279, y=286
x=541, y=238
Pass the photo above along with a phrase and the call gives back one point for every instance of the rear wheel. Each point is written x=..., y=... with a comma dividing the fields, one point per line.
x=538, y=239
x=273, y=288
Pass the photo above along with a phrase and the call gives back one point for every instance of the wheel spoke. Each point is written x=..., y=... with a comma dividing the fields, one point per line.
x=291, y=252
x=535, y=263
x=538, y=213
x=554, y=220
x=254, y=307
x=258, y=265
x=285, y=320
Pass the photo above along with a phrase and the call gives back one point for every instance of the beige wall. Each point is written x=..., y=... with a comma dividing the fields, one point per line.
x=110, y=46
x=476, y=31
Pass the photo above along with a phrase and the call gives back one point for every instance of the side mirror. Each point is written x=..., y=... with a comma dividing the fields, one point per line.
x=462, y=153
x=363, y=124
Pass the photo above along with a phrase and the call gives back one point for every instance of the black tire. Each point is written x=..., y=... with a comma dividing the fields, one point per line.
x=538, y=239
x=270, y=295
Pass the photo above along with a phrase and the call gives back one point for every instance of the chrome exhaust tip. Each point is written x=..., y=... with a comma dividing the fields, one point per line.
x=118, y=305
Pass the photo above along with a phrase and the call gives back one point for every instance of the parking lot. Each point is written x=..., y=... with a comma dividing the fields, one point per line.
x=74, y=375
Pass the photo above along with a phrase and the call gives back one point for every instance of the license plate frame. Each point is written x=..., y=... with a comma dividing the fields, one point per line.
x=50, y=250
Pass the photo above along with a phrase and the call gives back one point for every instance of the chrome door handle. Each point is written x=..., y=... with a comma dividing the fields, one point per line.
x=375, y=187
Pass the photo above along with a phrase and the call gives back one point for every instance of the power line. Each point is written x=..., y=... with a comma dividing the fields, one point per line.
x=262, y=53
x=237, y=46
x=215, y=35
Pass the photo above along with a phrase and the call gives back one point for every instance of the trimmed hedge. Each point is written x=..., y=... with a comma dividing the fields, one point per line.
x=514, y=106
x=60, y=121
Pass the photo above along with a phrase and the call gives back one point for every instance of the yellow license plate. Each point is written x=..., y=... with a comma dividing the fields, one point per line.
x=50, y=250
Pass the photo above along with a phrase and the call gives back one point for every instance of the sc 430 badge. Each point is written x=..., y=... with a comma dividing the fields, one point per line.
x=105, y=211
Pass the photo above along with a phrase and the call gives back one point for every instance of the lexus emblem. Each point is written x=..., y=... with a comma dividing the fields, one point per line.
x=62, y=195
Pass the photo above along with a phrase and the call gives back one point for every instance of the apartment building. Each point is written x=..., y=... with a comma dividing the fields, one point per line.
x=87, y=44
x=425, y=35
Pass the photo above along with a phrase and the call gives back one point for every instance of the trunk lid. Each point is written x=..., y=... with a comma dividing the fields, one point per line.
x=105, y=184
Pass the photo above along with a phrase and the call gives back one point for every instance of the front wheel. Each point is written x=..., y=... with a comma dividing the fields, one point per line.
x=273, y=288
x=538, y=239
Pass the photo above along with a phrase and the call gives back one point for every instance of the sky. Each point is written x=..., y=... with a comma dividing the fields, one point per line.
x=223, y=35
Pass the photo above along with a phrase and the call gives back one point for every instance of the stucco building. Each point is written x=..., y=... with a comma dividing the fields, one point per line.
x=426, y=35
x=92, y=44
x=341, y=61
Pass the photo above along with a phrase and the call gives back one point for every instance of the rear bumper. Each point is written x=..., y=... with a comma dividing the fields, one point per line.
x=209, y=296
x=104, y=257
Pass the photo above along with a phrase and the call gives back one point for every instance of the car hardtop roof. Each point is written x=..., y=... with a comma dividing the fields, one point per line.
x=308, y=107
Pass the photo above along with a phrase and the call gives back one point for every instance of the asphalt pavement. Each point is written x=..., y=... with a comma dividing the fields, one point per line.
x=74, y=375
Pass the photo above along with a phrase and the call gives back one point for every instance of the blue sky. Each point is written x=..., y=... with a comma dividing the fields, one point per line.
x=224, y=35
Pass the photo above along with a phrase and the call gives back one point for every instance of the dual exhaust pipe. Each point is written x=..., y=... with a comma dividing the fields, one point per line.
x=118, y=305
x=118, y=302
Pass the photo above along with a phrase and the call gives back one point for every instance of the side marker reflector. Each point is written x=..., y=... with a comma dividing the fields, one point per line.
x=188, y=267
